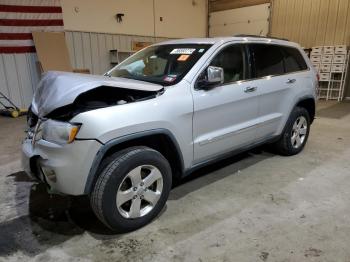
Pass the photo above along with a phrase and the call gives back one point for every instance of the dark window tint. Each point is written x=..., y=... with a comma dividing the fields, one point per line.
x=268, y=60
x=231, y=59
x=293, y=60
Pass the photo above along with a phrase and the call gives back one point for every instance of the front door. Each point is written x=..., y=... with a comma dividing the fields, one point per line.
x=225, y=117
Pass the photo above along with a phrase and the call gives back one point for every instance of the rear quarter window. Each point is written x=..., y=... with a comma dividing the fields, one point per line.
x=293, y=60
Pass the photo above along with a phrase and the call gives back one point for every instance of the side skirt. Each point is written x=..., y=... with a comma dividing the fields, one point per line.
x=228, y=155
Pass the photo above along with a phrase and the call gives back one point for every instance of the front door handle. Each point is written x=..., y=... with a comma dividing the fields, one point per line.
x=291, y=81
x=250, y=89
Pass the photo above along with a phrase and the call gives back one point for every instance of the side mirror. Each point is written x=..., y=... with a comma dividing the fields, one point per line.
x=213, y=76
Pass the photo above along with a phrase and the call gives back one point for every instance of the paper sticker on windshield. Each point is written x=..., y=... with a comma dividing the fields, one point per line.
x=183, y=57
x=182, y=51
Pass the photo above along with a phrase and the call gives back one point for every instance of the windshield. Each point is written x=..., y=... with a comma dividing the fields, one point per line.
x=161, y=64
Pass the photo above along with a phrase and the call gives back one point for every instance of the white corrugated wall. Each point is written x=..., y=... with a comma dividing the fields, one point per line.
x=91, y=50
x=19, y=75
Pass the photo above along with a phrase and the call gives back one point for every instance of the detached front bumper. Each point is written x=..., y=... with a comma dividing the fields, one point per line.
x=63, y=168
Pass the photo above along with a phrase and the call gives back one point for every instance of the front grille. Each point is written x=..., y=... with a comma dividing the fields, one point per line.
x=36, y=134
x=34, y=129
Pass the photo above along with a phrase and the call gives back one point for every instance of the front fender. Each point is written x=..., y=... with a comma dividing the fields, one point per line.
x=114, y=142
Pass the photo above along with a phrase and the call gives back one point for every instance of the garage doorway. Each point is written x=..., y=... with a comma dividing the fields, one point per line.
x=252, y=20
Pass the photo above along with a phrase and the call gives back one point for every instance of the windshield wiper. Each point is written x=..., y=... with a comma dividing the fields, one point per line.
x=106, y=74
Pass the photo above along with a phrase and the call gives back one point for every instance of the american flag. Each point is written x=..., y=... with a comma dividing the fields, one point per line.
x=19, y=18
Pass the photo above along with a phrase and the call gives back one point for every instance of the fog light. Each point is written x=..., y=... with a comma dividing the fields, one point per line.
x=49, y=173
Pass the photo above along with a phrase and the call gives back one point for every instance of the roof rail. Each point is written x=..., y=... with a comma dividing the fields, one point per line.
x=259, y=36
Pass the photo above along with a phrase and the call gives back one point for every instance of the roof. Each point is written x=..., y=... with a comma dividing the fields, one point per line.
x=240, y=38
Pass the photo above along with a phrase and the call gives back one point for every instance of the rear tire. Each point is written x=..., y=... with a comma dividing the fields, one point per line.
x=132, y=188
x=295, y=134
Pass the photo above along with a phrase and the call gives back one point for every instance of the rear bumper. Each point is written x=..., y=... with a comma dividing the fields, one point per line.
x=63, y=168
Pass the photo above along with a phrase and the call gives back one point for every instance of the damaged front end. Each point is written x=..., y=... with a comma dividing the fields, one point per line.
x=100, y=97
x=50, y=144
x=61, y=96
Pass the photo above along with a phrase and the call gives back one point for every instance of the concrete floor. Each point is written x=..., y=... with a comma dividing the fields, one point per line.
x=253, y=207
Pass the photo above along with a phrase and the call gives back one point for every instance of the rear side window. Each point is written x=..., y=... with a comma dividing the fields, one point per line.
x=293, y=60
x=268, y=59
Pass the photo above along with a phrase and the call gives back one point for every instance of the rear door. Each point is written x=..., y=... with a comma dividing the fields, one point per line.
x=277, y=80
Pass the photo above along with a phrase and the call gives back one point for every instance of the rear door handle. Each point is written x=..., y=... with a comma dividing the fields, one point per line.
x=250, y=89
x=291, y=81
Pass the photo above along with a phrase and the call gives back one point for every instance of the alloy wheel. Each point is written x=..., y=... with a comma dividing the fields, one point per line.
x=139, y=191
x=299, y=132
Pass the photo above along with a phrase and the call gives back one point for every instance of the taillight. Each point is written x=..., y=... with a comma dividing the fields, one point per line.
x=318, y=76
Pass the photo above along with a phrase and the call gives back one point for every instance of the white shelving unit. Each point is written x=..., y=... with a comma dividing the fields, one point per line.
x=331, y=62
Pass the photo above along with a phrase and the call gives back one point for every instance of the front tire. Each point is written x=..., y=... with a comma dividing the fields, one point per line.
x=132, y=189
x=295, y=134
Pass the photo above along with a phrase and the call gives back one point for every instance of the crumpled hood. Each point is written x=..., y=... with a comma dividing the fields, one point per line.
x=57, y=89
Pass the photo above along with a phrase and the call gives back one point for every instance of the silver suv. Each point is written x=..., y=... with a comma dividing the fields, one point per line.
x=173, y=107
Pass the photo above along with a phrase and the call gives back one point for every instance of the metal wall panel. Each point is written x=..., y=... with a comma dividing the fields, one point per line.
x=308, y=22
x=312, y=23
x=19, y=75
x=86, y=49
x=91, y=50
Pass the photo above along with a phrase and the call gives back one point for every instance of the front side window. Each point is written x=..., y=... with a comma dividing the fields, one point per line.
x=293, y=60
x=161, y=64
x=268, y=60
x=231, y=59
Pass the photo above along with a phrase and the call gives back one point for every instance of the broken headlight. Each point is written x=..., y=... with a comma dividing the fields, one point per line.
x=59, y=132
